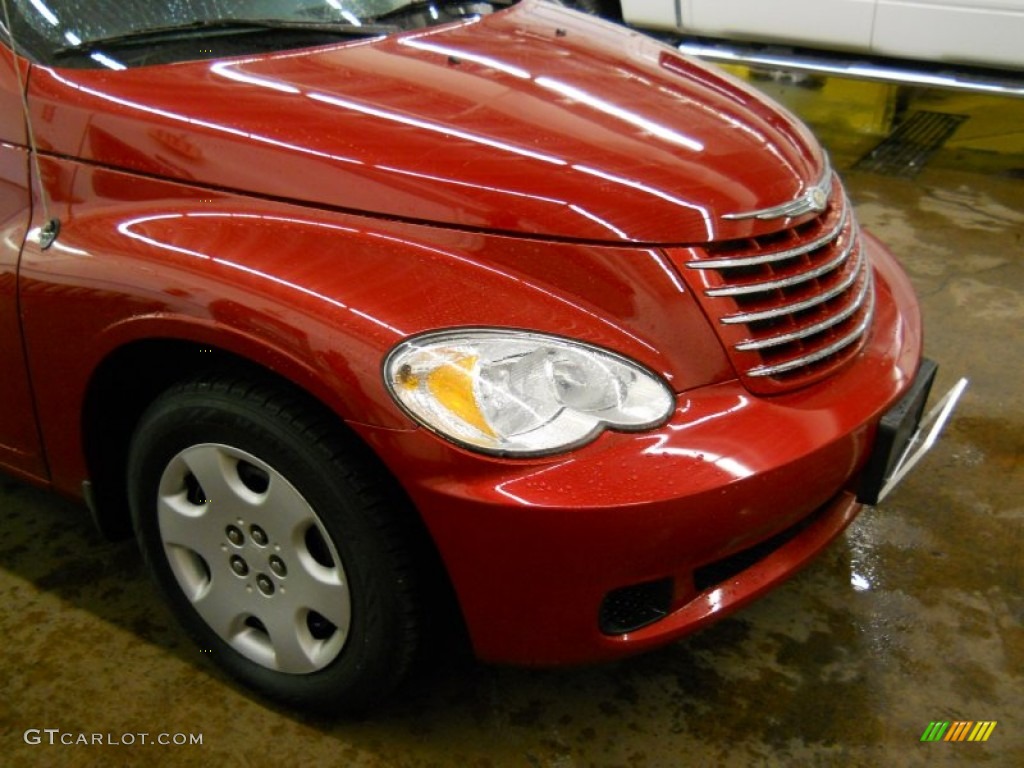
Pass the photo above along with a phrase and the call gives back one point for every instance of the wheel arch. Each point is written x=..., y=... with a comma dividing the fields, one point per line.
x=130, y=377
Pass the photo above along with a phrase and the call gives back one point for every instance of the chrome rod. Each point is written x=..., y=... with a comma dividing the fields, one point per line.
x=819, y=354
x=802, y=333
x=785, y=282
x=866, y=69
x=776, y=256
x=800, y=306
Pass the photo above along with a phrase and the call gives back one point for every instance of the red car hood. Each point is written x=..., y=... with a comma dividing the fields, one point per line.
x=534, y=121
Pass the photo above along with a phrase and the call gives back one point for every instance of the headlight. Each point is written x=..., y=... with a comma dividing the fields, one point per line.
x=513, y=392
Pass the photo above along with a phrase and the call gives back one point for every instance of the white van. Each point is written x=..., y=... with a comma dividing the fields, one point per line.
x=986, y=33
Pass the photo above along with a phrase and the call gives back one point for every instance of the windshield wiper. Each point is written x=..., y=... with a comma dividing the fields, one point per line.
x=214, y=27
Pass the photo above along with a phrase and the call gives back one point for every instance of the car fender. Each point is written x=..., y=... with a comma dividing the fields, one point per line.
x=317, y=296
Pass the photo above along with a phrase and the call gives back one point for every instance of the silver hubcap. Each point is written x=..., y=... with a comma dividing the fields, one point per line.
x=254, y=559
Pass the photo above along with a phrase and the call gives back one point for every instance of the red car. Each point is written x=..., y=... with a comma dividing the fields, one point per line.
x=343, y=306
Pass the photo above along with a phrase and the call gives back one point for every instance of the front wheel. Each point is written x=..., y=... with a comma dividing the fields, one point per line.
x=277, y=542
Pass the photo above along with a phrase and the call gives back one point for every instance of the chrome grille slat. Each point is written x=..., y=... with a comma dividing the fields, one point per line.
x=824, y=352
x=786, y=282
x=811, y=330
x=800, y=306
x=775, y=256
x=792, y=305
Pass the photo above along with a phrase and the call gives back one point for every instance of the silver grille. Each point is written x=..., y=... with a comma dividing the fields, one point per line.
x=794, y=305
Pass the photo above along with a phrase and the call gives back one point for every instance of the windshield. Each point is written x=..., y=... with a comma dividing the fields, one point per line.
x=118, y=34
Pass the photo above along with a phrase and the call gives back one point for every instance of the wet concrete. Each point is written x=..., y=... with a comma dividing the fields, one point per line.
x=915, y=615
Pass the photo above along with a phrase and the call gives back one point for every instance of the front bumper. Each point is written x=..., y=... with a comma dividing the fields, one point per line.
x=535, y=548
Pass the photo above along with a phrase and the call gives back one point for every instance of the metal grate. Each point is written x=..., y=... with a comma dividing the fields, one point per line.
x=792, y=306
x=907, y=150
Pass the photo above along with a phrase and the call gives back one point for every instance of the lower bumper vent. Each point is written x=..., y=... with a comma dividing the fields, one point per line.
x=629, y=608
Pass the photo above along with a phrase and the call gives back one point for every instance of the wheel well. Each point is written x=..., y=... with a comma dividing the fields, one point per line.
x=120, y=390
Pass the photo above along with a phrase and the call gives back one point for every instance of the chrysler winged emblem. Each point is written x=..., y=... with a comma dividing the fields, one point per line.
x=813, y=200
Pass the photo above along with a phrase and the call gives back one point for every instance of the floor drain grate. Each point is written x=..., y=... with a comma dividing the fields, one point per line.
x=906, y=151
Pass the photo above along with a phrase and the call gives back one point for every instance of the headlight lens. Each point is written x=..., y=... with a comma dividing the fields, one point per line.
x=520, y=393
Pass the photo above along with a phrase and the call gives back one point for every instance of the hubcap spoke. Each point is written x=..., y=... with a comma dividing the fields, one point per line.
x=291, y=512
x=187, y=524
x=216, y=469
x=323, y=590
x=222, y=607
x=295, y=649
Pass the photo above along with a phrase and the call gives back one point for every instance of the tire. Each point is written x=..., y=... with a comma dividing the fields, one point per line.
x=280, y=546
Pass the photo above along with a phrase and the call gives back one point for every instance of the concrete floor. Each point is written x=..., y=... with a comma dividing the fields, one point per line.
x=915, y=615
